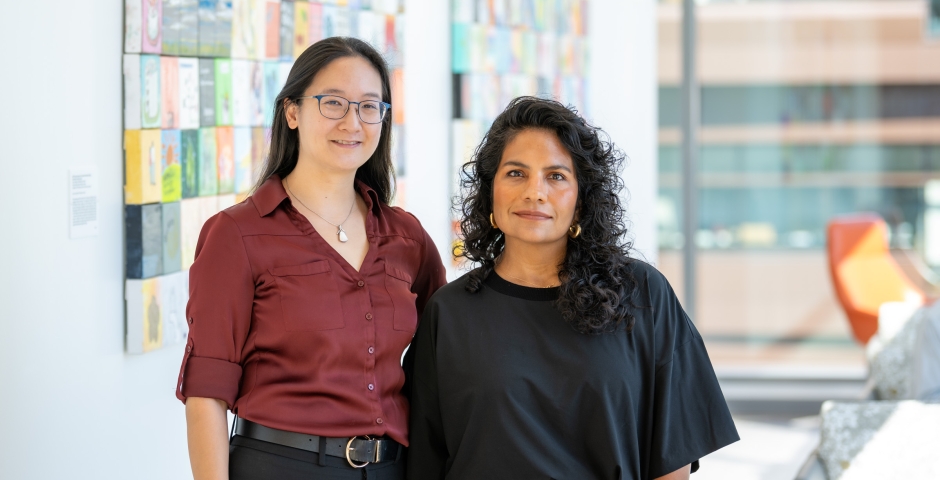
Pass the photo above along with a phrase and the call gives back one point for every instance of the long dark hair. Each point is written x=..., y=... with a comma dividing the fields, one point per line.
x=377, y=172
x=596, y=284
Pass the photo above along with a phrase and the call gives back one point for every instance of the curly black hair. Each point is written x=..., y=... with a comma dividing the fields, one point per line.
x=596, y=285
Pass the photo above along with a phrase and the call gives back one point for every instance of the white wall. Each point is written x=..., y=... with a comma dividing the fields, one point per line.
x=74, y=405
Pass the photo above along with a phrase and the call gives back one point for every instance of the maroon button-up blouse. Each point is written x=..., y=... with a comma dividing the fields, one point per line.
x=289, y=335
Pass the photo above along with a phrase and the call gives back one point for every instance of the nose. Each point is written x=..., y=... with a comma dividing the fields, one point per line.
x=535, y=189
x=351, y=122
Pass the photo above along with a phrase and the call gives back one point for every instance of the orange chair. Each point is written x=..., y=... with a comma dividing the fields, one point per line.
x=864, y=273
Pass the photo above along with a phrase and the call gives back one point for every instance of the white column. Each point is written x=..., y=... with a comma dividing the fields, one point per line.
x=428, y=118
x=623, y=96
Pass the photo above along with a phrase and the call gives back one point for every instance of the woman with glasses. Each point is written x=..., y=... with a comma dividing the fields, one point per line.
x=559, y=356
x=304, y=296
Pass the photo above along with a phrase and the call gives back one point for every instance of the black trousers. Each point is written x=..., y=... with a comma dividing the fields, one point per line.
x=251, y=459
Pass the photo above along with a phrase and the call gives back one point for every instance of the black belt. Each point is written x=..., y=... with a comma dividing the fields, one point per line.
x=358, y=451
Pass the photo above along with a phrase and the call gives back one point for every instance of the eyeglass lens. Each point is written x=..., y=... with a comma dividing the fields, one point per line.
x=335, y=108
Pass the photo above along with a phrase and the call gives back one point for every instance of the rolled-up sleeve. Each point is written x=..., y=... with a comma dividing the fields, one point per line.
x=221, y=292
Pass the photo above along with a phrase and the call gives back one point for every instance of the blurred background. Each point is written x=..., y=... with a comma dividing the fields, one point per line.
x=807, y=110
x=753, y=127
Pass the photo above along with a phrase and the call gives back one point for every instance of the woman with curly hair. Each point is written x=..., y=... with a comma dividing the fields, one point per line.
x=559, y=356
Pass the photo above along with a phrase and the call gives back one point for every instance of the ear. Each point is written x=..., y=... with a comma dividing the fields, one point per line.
x=291, y=113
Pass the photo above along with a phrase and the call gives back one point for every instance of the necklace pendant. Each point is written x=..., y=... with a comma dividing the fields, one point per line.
x=341, y=234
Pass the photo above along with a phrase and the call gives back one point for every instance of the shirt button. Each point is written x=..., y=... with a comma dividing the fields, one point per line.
x=371, y=350
x=379, y=421
x=190, y=320
x=371, y=387
x=189, y=348
x=368, y=316
x=361, y=283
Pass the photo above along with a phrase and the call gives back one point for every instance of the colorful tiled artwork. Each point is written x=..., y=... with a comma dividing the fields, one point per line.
x=200, y=79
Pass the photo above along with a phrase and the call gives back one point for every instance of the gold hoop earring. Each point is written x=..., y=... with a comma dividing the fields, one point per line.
x=574, y=231
x=492, y=222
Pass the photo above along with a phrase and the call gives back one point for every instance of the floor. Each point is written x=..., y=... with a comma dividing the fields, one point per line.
x=776, y=412
x=771, y=448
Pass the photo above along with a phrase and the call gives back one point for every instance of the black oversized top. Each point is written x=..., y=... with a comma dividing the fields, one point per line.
x=503, y=387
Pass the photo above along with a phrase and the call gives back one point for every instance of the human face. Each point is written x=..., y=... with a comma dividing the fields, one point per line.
x=535, y=191
x=338, y=145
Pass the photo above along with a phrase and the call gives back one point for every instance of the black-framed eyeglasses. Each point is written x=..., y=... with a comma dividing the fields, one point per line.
x=335, y=107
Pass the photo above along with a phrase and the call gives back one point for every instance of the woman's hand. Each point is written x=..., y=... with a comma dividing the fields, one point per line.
x=207, y=434
x=680, y=474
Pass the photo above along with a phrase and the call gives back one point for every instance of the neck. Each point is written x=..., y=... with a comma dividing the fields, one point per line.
x=328, y=192
x=535, y=265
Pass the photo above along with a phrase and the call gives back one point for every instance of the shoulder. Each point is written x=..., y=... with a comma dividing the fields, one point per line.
x=245, y=216
x=222, y=224
x=399, y=222
x=455, y=291
x=648, y=278
x=453, y=299
x=453, y=307
x=402, y=218
x=658, y=307
x=241, y=213
x=221, y=241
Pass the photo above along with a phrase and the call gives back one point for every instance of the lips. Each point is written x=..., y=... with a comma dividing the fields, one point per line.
x=532, y=215
x=347, y=143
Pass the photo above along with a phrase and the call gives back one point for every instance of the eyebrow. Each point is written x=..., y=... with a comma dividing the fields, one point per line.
x=516, y=163
x=336, y=91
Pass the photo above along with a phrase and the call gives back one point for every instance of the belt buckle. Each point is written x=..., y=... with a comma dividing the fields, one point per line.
x=349, y=447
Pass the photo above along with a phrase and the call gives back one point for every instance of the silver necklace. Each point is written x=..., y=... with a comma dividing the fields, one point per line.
x=340, y=233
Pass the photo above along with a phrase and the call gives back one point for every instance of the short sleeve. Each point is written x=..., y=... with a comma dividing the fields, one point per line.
x=221, y=292
x=427, y=449
x=690, y=416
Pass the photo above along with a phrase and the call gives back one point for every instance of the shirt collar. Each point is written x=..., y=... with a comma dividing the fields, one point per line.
x=271, y=194
x=370, y=197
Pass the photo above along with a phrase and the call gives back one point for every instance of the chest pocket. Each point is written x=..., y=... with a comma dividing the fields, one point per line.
x=398, y=284
x=309, y=297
